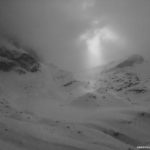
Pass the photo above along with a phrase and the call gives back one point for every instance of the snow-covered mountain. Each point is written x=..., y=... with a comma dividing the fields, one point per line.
x=125, y=78
x=44, y=107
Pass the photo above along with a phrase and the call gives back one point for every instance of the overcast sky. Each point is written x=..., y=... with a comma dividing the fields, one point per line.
x=76, y=34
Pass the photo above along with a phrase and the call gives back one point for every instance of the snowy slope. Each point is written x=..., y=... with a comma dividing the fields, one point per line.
x=44, y=107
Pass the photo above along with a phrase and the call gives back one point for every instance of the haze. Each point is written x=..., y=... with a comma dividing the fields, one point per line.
x=79, y=34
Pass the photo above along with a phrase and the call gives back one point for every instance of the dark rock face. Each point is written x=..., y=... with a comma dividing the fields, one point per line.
x=19, y=61
x=7, y=66
x=27, y=62
x=140, y=90
x=4, y=52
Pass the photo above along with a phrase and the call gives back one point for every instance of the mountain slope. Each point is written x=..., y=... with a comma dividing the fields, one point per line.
x=44, y=107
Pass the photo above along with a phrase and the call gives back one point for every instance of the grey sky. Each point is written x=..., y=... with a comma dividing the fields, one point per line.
x=54, y=27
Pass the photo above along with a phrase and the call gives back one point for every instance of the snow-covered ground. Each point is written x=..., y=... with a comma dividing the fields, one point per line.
x=105, y=108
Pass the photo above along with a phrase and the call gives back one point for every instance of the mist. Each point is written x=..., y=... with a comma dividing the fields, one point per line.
x=54, y=28
x=74, y=74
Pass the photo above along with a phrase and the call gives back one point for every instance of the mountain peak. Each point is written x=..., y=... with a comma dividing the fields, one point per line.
x=130, y=61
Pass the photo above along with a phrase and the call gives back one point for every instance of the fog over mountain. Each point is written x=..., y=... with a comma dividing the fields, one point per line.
x=54, y=28
x=74, y=74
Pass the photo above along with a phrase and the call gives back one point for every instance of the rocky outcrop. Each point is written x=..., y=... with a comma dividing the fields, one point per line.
x=19, y=61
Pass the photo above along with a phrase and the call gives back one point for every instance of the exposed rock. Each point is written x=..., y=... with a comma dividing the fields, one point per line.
x=7, y=65
x=27, y=62
x=12, y=59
